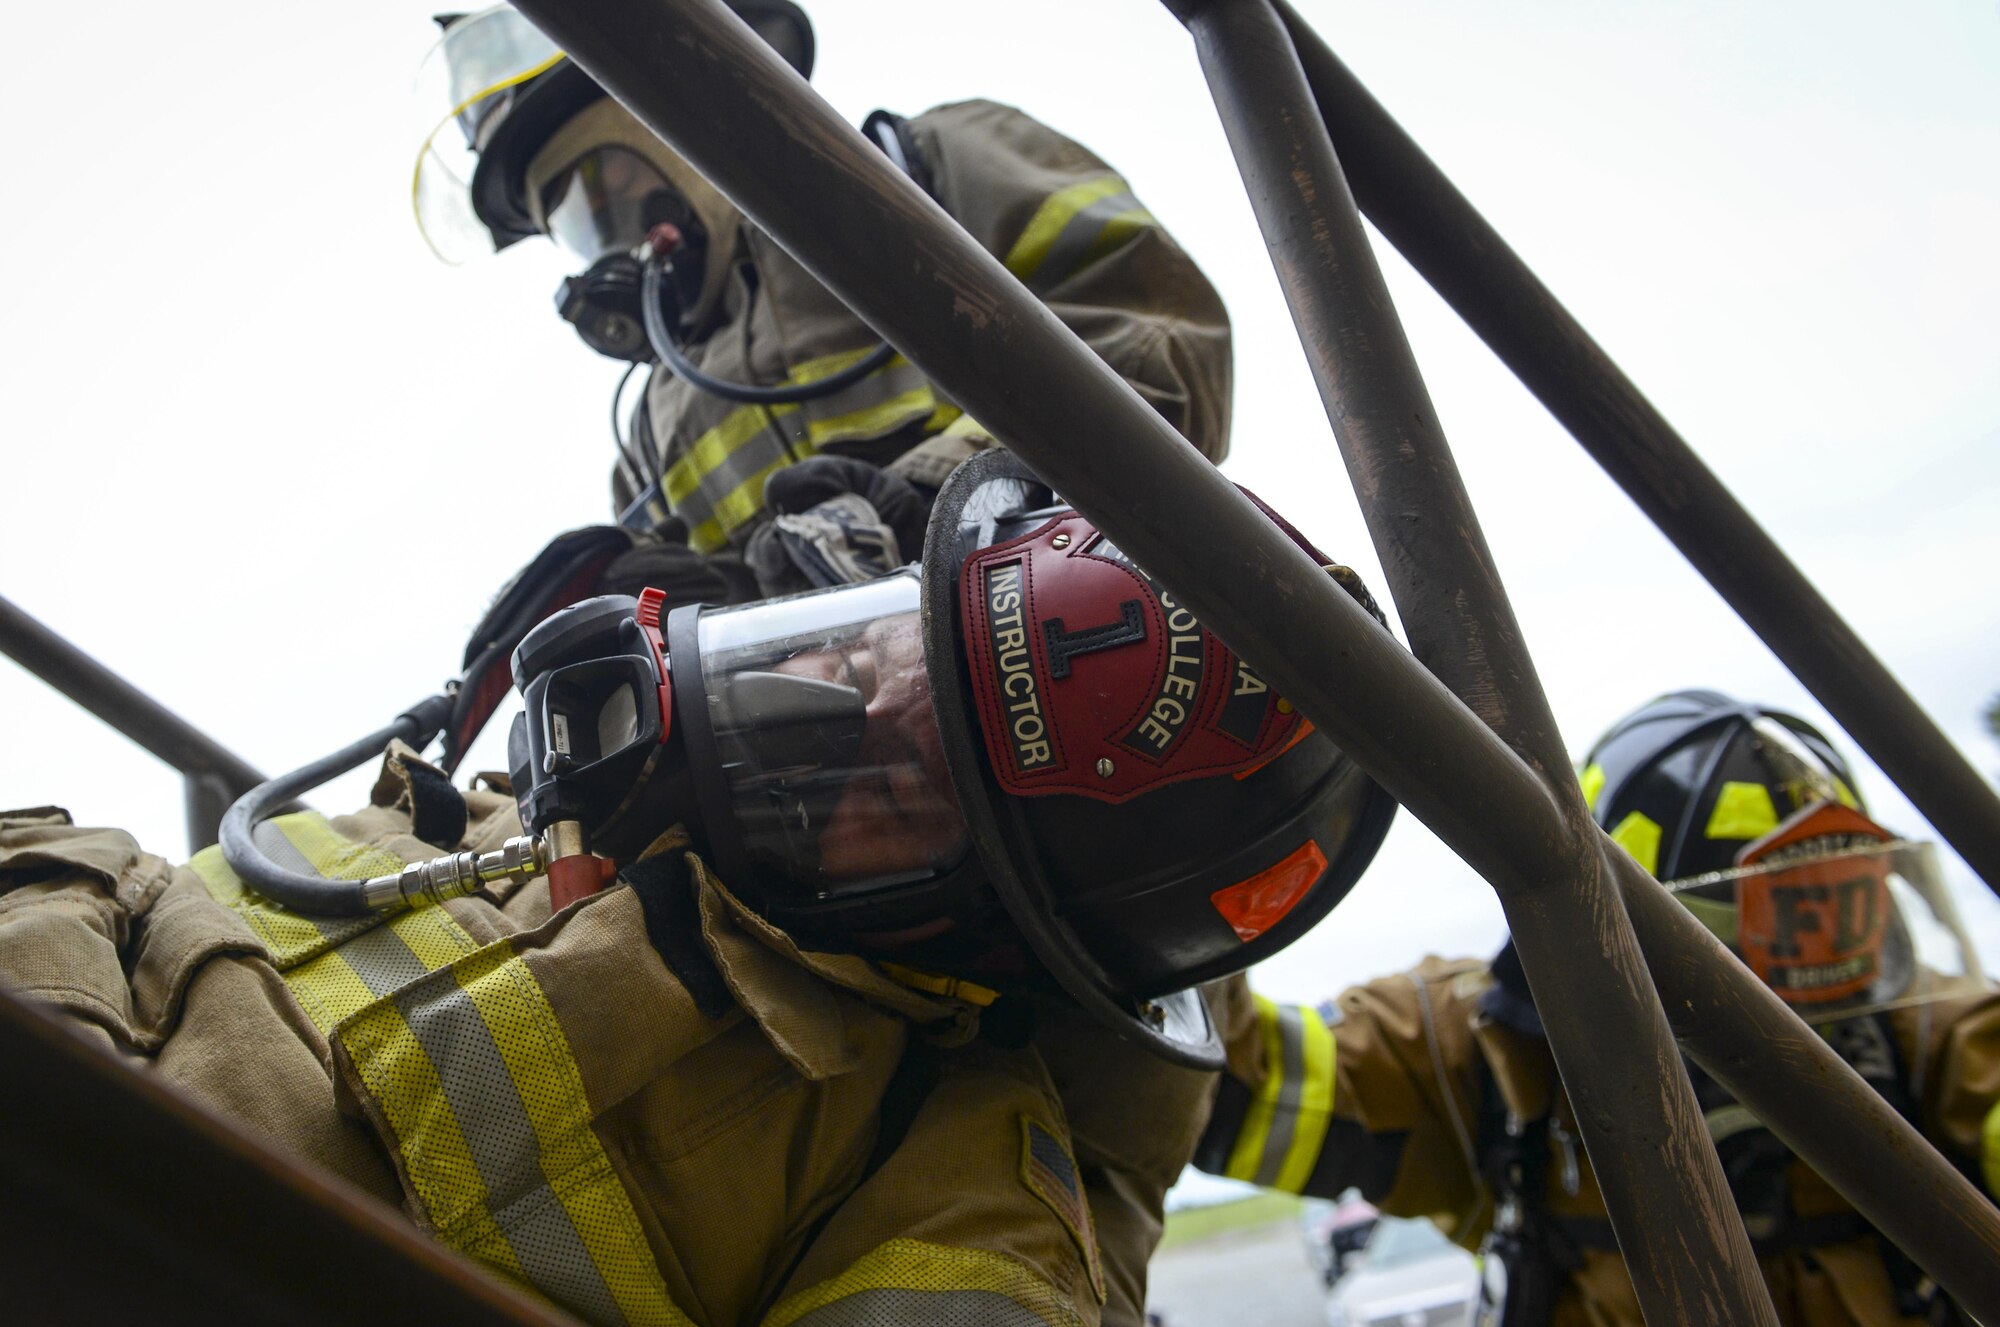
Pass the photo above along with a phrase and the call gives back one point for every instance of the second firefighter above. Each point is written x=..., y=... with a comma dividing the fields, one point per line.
x=752, y=365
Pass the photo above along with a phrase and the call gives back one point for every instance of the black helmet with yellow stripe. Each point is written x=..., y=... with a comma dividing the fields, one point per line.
x=1749, y=815
x=1684, y=782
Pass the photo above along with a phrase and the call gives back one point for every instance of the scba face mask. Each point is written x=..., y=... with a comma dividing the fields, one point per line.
x=1024, y=763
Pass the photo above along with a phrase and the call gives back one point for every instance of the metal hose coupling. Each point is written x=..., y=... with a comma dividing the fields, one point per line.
x=519, y=859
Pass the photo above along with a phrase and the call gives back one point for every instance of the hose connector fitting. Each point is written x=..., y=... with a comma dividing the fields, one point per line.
x=519, y=859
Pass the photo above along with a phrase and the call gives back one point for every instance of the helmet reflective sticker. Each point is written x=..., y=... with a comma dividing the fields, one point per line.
x=1254, y=906
x=1093, y=679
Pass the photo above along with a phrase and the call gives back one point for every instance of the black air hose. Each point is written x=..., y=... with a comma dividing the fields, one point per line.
x=312, y=894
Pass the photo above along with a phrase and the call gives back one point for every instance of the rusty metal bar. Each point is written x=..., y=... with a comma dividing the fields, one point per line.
x=1663, y=1185
x=1424, y=215
x=706, y=84
x=214, y=776
x=107, y=1175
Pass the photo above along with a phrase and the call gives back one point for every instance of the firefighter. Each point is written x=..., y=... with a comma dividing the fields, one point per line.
x=751, y=365
x=1434, y=1091
x=890, y=1013
x=777, y=445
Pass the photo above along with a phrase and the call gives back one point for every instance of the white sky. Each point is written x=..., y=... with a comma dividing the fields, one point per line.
x=270, y=460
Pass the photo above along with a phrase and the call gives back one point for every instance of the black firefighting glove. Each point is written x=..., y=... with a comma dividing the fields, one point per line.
x=835, y=520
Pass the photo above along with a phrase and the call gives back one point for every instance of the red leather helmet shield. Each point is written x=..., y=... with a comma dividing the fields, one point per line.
x=1149, y=813
x=1149, y=696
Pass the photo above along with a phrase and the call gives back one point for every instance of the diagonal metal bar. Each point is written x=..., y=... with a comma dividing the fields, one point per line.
x=1663, y=1185
x=214, y=775
x=706, y=84
x=1445, y=238
x=182, y=1217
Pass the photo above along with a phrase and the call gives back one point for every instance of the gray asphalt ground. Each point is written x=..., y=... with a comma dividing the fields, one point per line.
x=1246, y=1278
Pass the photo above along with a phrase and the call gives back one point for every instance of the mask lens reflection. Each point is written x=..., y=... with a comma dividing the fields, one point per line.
x=607, y=201
x=830, y=751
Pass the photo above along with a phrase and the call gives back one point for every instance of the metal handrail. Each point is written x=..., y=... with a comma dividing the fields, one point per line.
x=213, y=775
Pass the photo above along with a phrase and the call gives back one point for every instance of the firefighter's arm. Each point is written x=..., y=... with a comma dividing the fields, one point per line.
x=1376, y=1090
x=1965, y=1109
x=1070, y=228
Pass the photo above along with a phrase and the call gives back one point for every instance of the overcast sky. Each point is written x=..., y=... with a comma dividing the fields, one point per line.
x=268, y=458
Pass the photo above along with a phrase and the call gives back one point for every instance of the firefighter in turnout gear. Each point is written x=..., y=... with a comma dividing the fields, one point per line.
x=776, y=445
x=751, y=365
x=1434, y=1091
x=888, y=1014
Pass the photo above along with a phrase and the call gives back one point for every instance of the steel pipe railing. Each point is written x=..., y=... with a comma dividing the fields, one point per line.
x=1453, y=247
x=214, y=776
x=114, y=1174
x=751, y=125
x=1662, y=1182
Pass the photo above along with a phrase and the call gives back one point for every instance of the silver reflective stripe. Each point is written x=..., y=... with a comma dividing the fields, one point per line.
x=382, y=961
x=495, y=1125
x=1291, y=1090
x=1073, y=244
x=281, y=851
x=897, y=378
x=780, y=441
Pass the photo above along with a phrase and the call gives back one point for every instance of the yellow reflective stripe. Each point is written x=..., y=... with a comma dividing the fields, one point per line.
x=404, y=1084
x=873, y=420
x=476, y=1081
x=538, y=1058
x=1592, y=780
x=329, y=990
x=1031, y=250
x=714, y=447
x=1640, y=836
x=1246, y=1158
x=955, y=988
x=1315, y=1110
x=943, y=417
x=1989, y=1151
x=1742, y=811
x=333, y=856
x=690, y=481
x=433, y=936
x=1118, y=228
x=337, y=966
x=291, y=938
x=287, y=935
x=952, y=1275
x=743, y=502
x=825, y=366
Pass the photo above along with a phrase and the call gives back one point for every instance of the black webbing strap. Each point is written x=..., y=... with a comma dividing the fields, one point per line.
x=437, y=810
x=673, y=924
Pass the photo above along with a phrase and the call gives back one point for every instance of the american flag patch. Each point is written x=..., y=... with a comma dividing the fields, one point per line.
x=1050, y=1174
